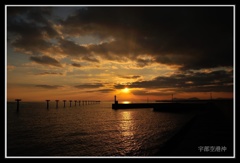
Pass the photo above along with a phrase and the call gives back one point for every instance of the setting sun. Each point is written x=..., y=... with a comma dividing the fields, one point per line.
x=125, y=90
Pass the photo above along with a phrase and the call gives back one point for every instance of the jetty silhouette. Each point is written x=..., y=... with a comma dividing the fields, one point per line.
x=167, y=106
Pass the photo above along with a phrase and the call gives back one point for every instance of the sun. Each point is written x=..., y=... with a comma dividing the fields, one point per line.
x=126, y=90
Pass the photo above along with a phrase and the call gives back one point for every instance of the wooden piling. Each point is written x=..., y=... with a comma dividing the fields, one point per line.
x=17, y=103
x=56, y=103
x=64, y=103
x=47, y=103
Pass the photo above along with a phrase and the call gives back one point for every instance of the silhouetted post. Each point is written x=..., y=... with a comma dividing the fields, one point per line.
x=64, y=103
x=56, y=103
x=17, y=103
x=115, y=99
x=75, y=102
x=70, y=102
x=47, y=103
x=79, y=103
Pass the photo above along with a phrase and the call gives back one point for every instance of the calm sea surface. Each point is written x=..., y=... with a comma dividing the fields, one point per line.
x=89, y=130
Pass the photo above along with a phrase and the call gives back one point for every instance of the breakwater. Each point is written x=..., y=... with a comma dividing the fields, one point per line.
x=168, y=107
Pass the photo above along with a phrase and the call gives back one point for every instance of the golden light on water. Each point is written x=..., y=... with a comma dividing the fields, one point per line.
x=127, y=124
x=128, y=138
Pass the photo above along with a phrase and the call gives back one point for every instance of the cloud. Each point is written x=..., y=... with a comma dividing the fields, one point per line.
x=89, y=85
x=72, y=49
x=30, y=29
x=49, y=73
x=45, y=60
x=188, y=82
x=143, y=62
x=13, y=11
x=105, y=90
x=102, y=90
x=90, y=59
x=49, y=86
x=10, y=67
x=76, y=65
x=190, y=37
x=155, y=93
x=130, y=77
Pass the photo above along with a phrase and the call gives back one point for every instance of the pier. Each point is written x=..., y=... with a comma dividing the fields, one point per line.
x=168, y=107
x=83, y=102
x=165, y=106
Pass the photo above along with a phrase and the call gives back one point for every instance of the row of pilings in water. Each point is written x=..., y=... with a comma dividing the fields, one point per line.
x=83, y=102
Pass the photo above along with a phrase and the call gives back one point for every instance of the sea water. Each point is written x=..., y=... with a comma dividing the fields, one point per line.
x=87, y=130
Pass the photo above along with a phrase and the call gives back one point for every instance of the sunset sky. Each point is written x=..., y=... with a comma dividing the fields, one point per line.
x=94, y=53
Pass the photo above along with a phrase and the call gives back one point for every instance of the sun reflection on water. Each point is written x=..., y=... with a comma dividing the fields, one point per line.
x=128, y=131
x=126, y=125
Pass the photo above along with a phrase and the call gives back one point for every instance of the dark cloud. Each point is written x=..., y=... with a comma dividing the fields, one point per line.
x=102, y=90
x=188, y=82
x=29, y=37
x=45, y=60
x=130, y=77
x=13, y=10
x=39, y=15
x=89, y=85
x=49, y=86
x=49, y=73
x=32, y=28
x=76, y=65
x=156, y=93
x=90, y=59
x=105, y=90
x=71, y=48
x=194, y=37
x=143, y=62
